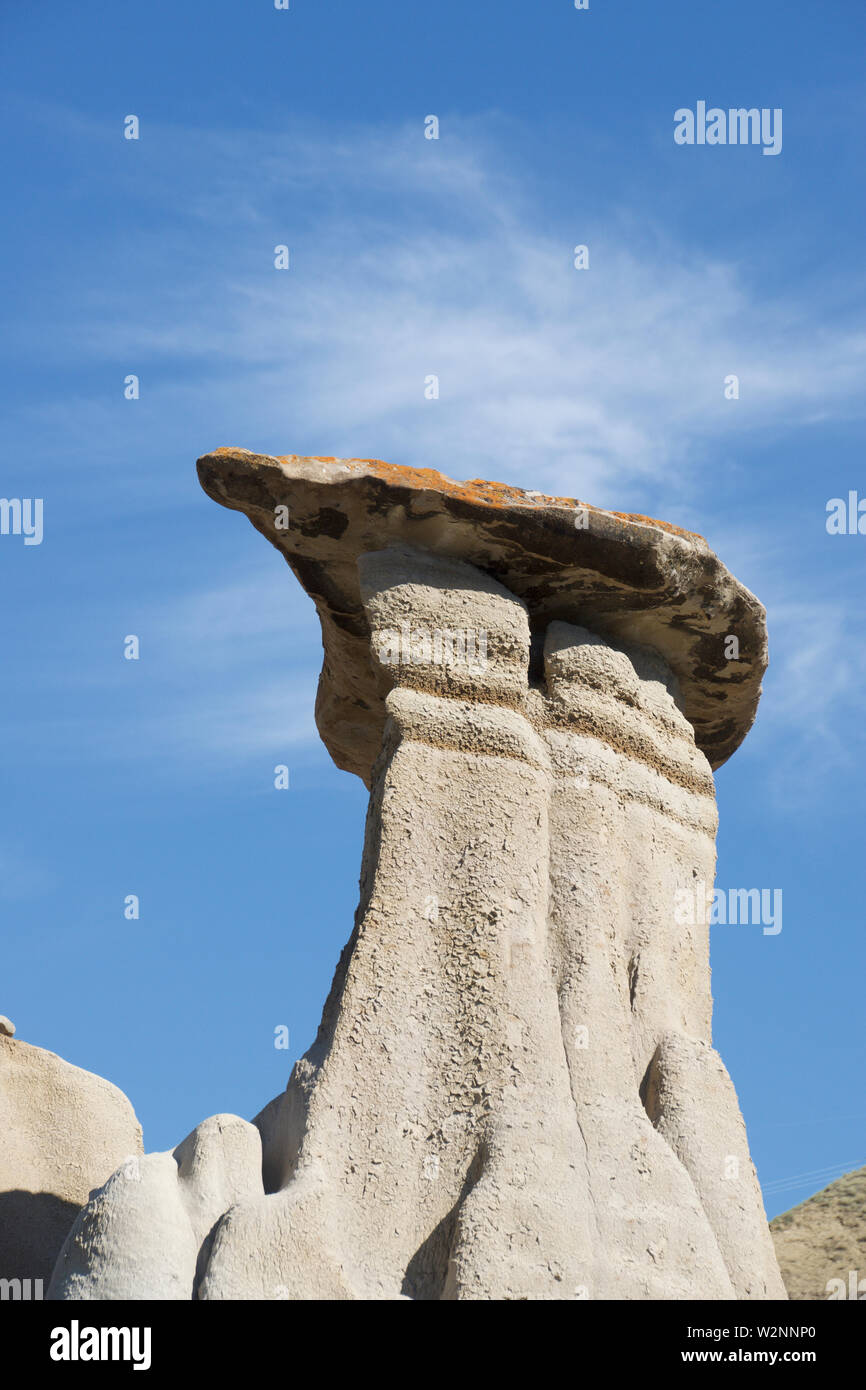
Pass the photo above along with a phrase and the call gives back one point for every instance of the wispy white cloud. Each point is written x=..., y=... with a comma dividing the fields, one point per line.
x=814, y=694
x=226, y=675
x=412, y=258
x=237, y=668
x=409, y=259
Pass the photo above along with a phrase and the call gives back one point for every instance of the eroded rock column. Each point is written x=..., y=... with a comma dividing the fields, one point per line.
x=516, y=1095
x=438, y=1154
x=633, y=821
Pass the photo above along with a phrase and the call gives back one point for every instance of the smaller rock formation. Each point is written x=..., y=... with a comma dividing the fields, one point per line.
x=63, y=1131
x=147, y=1233
x=821, y=1243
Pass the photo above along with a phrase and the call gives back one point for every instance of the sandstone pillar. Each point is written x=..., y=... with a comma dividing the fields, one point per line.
x=633, y=822
x=438, y=1154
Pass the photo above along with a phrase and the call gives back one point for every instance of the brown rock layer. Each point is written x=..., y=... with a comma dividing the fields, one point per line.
x=627, y=578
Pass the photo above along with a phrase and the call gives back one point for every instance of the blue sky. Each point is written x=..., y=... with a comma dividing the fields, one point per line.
x=408, y=257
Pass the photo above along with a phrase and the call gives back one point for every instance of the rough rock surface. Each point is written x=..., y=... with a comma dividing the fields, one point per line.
x=513, y=1092
x=626, y=577
x=821, y=1243
x=62, y=1132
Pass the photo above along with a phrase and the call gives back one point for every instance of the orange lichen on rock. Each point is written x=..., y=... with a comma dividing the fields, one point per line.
x=624, y=576
x=475, y=491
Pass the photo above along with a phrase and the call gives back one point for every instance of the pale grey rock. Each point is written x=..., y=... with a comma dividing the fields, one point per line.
x=146, y=1233
x=7, y=1027
x=63, y=1131
x=470, y=1123
x=692, y=1103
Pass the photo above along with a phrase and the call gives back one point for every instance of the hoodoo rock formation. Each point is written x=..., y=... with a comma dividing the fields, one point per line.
x=513, y=1093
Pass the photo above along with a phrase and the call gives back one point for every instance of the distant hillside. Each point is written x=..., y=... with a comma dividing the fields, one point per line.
x=824, y=1238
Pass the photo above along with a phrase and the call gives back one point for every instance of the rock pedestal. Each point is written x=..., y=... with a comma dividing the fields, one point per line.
x=513, y=1092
